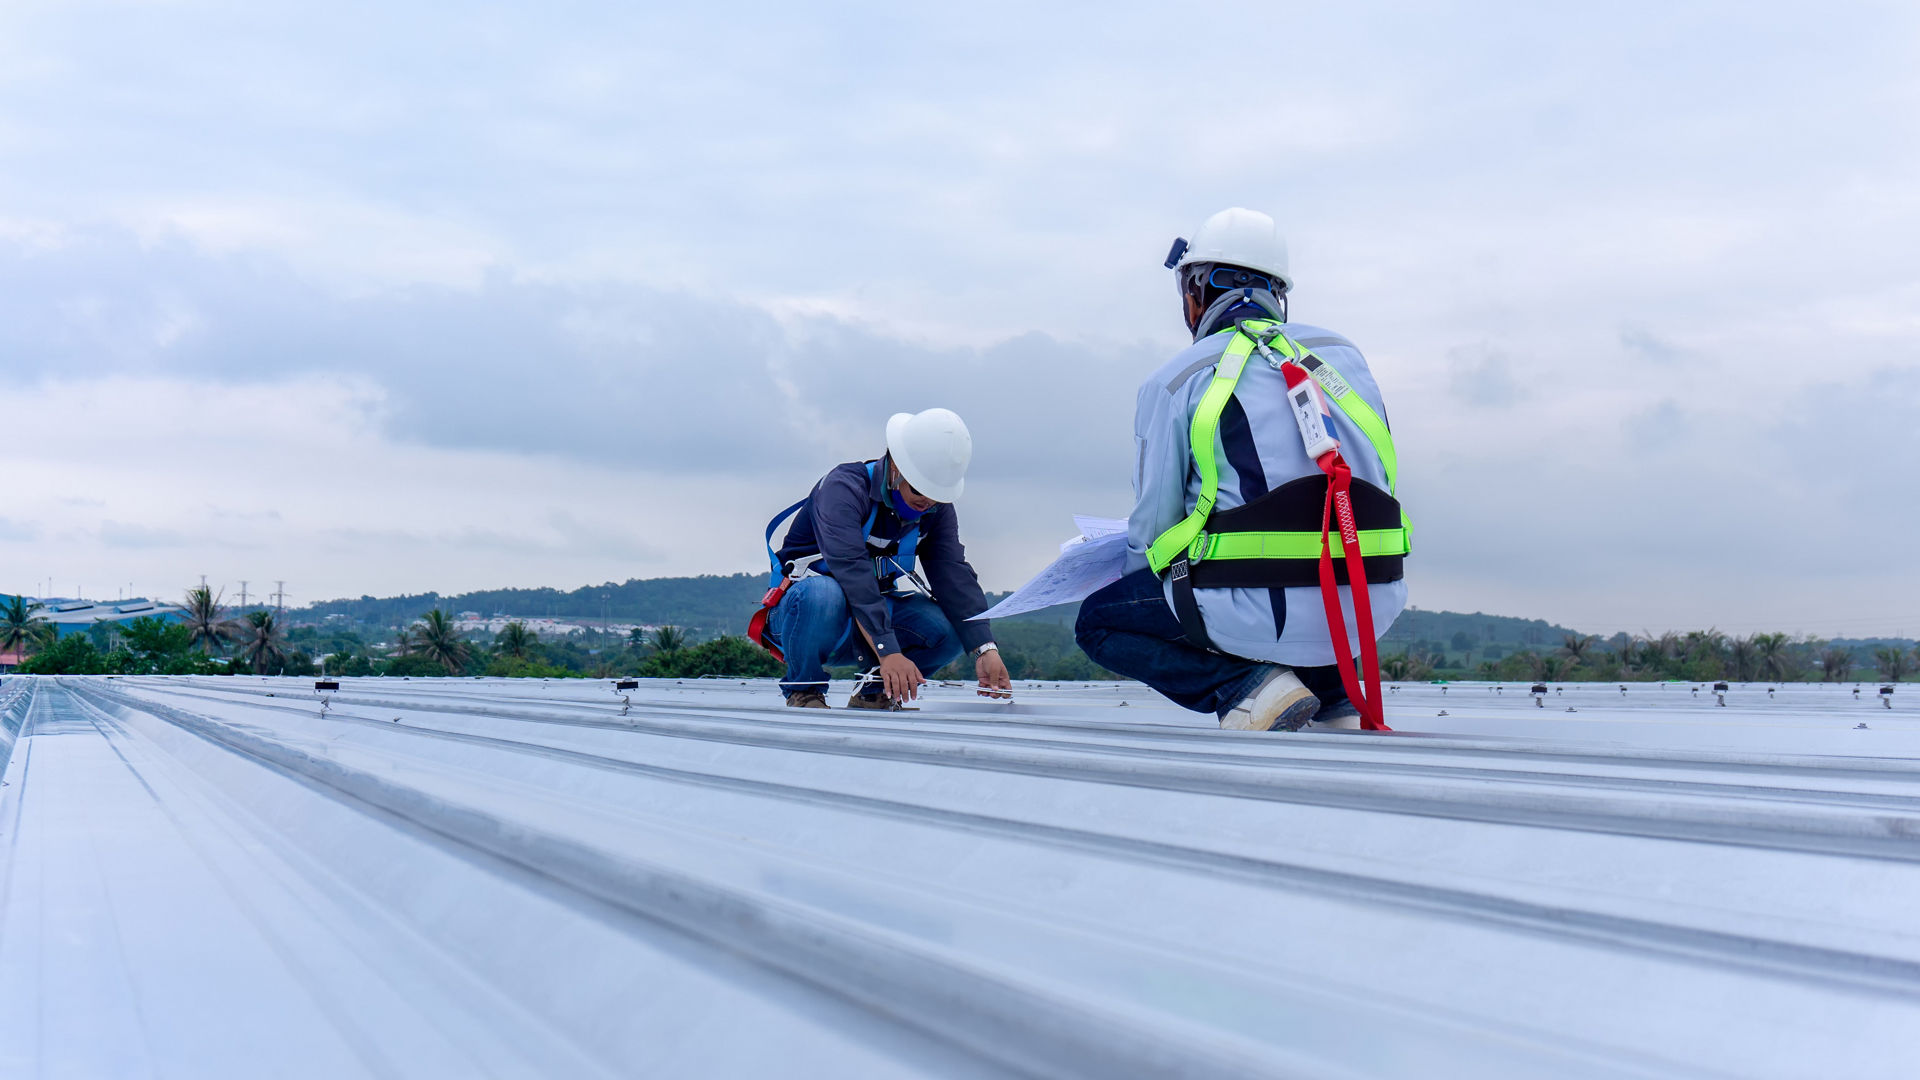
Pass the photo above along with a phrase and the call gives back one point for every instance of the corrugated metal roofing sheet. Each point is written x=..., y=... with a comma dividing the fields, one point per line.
x=243, y=877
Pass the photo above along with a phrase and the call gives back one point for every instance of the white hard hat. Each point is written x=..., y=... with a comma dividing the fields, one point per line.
x=931, y=449
x=1237, y=237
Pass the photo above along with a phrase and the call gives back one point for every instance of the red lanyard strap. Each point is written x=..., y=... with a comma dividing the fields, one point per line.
x=1339, y=506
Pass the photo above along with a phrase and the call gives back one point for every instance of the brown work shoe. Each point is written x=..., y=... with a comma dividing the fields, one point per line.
x=880, y=702
x=807, y=699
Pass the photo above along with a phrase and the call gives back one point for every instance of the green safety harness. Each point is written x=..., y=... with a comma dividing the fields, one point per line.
x=1283, y=539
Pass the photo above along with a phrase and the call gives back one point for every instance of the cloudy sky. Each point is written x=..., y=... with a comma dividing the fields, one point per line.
x=391, y=297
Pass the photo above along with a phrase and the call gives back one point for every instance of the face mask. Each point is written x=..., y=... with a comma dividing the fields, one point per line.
x=907, y=513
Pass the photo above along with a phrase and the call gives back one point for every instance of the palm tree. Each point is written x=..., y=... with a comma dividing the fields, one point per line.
x=206, y=620
x=434, y=637
x=1555, y=668
x=263, y=644
x=1626, y=653
x=669, y=640
x=1744, y=652
x=1702, y=648
x=1835, y=664
x=1892, y=663
x=1665, y=647
x=515, y=639
x=1577, y=646
x=1702, y=644
x=1422, y=667
x=22, y=627
x=1775, y=661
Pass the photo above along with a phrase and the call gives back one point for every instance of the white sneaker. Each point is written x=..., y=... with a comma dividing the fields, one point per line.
x=1340, y=716
x=1278, y=701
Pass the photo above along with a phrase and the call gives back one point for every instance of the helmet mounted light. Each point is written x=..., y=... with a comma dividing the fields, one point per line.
x=1179, y=249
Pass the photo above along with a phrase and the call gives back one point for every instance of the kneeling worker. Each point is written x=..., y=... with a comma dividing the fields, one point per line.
x=853, y=539
x=1236, y=600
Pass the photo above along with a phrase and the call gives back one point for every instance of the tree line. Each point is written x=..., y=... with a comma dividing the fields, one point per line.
x=1695, y=655
x=210, y=640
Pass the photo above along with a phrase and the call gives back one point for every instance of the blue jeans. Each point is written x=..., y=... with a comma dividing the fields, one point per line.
x=813, y=628
x=1128, y=629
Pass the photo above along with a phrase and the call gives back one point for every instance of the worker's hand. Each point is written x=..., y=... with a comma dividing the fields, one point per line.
x=901, y=677
x=993, y=673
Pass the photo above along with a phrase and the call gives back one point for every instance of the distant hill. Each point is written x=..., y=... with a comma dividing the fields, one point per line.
x=721, y=604
x=709, y=604
x=1452, y=630
x=715, y=604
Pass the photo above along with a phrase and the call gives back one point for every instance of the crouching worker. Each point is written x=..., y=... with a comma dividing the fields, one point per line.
x=1229, y=605
x=838, y=596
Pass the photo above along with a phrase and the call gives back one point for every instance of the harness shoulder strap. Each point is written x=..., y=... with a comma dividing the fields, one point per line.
x=898, y=555
x=1362, y=414
x=1173, y=543
x=773, y=526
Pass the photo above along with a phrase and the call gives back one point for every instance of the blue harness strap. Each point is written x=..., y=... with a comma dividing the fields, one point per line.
x=900, y=562
x=779, y=571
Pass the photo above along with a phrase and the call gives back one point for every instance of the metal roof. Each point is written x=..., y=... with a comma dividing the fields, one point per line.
x=71, y=614
x=218, y=877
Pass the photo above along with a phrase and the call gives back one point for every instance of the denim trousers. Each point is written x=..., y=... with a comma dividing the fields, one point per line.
x=1128, y=629
x=813, y=627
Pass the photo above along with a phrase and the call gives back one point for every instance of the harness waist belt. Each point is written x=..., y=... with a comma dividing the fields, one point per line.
x=1291, y=545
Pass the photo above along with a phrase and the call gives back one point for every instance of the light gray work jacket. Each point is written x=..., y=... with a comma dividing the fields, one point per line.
x=1257, y=450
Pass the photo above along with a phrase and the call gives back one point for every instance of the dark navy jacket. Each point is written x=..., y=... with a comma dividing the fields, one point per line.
x=830, y=525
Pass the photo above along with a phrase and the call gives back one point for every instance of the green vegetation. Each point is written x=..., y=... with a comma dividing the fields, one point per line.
x=1693, y=656
x=262, y=643
x=514, y=641
x=22, y=628
x=206, y=620
x=734, y=657
x=140, y=647
x=435, y=639
x=693, y=626
x=707, y=606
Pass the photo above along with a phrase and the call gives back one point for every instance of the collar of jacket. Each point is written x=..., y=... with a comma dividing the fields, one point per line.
x=878, y=489
x=1259, y=304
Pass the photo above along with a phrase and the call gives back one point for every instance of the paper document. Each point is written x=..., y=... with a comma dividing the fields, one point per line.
x=1088, y=562
x=1094, y=528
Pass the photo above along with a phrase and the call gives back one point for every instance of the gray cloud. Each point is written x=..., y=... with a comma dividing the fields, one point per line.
x=620, y=374
x=122, y=534
x=1483, y=376
x=636, y=237
x=1641, y=342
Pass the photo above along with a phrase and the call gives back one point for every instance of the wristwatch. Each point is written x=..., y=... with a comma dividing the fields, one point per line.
x=985, y=649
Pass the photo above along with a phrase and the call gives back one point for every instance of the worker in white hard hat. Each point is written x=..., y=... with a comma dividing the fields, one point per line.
x=867, y=531
x=1222, y=609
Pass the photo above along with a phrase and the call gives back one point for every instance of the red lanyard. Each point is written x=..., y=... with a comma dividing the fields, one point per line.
x=1340, y=505
x=1325, y=450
